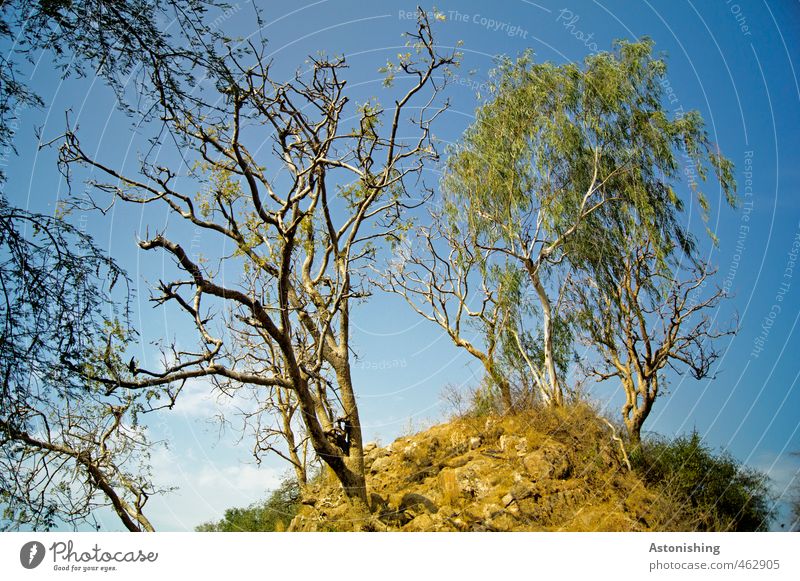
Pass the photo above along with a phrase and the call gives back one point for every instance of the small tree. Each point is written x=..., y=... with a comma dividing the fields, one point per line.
x=273, y=514
x=300, y=240
x=479, y=301
x=642, y=319
x=560, y=153
x=434, y=271
x=712, y=492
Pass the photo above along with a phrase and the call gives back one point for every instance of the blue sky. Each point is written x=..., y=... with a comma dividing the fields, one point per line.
x=734, y=61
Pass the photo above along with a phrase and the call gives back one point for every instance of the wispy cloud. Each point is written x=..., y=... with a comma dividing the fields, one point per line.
x=206, y=488
x=200, y=399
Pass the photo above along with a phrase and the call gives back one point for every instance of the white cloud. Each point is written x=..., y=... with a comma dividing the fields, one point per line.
x=200, y=399
x=206, y=488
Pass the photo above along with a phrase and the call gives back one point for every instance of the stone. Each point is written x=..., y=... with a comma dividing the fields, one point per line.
x=513, y=445
x=376, y=502
x=519, y=491
x=502, y=521
x=469, y=482
x=416, y=504
x=449, y=486
x=550, y=461
x=380, y=464
x=475, y=442
x=421, y=523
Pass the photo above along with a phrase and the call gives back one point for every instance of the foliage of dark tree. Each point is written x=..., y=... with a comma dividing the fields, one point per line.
x=67, y=447
x=794, y=502
x=273, y=514
x=713, y=492
x=125, y=42
x=303, y=208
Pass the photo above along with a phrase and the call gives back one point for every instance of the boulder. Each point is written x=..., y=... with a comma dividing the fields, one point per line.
x=416, y=504
x=421, y=523
x=513, y=445
x=551, y=460
x=380, y=464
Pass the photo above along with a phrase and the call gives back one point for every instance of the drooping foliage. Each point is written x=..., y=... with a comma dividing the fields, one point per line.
x=563, y=162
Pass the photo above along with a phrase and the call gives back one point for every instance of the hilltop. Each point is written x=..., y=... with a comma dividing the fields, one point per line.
x=539, y=470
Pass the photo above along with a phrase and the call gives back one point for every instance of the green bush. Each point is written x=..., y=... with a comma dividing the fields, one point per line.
x=274, y=514
x=711, y=492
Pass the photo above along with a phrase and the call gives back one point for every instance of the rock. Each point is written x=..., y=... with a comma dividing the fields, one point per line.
x=369, y=447
x=475, y=442
x=409, y=452
x=377, y=503
x=513, y=445
x=398, y=445
x=421, y=523
x=449, y=486
x=376, y=453
x=421, y=474
x=502, y=521
x=416, y=504
x=522, y=490
x=458, y=443
x=380, y=464
x=394, y=518
x=492, y=510
x=469, y=481
x=549, y=461
x=519, y=491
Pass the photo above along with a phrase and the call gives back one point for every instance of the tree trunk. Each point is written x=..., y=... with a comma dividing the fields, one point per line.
x=503, y=386
x=634, y=431
x=556, y=393
x=637, y=408
x=356, y=487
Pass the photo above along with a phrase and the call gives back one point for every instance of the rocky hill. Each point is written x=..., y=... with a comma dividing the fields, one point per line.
x=541, y=470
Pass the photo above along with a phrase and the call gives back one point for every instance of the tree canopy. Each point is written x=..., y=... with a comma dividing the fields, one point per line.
x=565, y=160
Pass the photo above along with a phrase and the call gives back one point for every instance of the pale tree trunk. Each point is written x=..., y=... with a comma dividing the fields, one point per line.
x=556, y=393
x=640, y=398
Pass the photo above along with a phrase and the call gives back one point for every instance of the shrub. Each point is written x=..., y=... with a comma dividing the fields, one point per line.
x=274, y=514
x=712, y=492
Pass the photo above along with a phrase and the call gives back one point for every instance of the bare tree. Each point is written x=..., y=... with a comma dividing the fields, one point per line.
x=642, y=318
x=301, y=239
x=478, y=301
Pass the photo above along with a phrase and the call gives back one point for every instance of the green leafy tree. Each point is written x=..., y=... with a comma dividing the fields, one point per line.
x=560, y=153
x=274, y=514
x=711, y=492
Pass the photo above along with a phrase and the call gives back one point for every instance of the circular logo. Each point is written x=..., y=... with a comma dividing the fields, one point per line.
x=31, y=554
